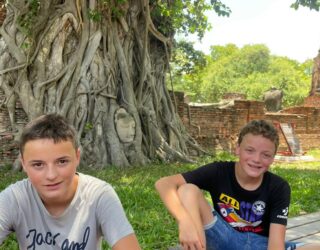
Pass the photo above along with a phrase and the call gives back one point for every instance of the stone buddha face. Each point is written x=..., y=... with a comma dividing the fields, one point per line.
x=125, y=125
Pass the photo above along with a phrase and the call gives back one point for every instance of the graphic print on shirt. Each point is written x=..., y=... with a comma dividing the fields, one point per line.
x=284, y=214
x=50, y=239
x=249, y=215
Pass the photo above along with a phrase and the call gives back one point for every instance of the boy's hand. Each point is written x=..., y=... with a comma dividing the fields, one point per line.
x=189, y=237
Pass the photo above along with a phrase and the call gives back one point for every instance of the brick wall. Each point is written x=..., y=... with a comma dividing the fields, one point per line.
x=312, y=101
x=217, y=128
x=2, y=11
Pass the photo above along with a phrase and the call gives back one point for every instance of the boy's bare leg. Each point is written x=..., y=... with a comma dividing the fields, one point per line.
x=197, y=206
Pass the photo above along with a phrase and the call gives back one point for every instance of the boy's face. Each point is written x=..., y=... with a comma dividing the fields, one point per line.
x=51, y=168
x=256, y=154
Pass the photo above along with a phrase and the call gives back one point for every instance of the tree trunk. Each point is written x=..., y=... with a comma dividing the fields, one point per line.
x=102, y=65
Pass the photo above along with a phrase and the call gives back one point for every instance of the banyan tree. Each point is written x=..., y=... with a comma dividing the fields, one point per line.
x=103, y=65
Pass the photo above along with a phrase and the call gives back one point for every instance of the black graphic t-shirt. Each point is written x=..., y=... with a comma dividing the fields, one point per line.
x=245, y=211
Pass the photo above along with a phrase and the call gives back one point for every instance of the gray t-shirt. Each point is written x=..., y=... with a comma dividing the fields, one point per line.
x=95, y=211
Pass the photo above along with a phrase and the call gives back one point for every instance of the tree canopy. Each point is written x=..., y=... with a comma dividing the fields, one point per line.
x=250, y=70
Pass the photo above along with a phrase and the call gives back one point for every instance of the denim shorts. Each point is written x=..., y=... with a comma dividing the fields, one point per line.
x=220, y=235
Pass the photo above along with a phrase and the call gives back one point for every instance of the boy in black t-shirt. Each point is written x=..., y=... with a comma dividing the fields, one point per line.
x=250, y=203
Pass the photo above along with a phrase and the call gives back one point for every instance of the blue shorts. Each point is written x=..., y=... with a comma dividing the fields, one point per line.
x=220, y=235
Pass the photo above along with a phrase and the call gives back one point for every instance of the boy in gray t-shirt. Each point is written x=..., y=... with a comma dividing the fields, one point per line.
x=56, y=207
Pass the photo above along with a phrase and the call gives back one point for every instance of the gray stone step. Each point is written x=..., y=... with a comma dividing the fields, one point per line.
x=304, y=228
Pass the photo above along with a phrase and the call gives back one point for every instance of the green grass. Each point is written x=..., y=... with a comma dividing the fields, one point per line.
x=154, y=227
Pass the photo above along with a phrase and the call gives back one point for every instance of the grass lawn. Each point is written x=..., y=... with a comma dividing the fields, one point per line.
x=153, y=225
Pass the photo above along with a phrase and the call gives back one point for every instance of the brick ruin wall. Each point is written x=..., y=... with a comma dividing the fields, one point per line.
x=214, y=128
x=217, y=128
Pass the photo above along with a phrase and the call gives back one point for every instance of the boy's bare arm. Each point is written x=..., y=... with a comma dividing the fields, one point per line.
x=167, y=187
x=129, y=242
x=276, y=237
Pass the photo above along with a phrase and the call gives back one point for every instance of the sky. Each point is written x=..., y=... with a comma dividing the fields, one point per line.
x=285, y=31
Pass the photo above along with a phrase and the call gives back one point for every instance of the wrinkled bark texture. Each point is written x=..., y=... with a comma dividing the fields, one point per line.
x=86, y=60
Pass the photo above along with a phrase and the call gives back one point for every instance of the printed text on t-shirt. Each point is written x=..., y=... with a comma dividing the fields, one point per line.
x=49, y=239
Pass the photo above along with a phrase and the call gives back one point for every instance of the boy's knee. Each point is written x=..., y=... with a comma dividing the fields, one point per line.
x=188, y=191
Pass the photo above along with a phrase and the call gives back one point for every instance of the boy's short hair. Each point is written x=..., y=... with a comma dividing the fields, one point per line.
x=260, y=127
x=49, y=126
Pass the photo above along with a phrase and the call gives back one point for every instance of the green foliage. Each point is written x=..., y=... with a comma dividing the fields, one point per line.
x=251, y=59
x=185, y=63
x=186, y=59
x=27, y=19
x=10, y=243
x=88, y=126
x=154, y=227
x=249, y=70
x=7, y=176
x=312, y=4
x=293, y=78
x=116, y=12
x=94, y=15
x=105, y=8
x=218, y=52
x=185, y=16
x=220, y=8
x=25, y=45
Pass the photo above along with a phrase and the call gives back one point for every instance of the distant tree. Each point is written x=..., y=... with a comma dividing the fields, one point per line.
x=217, y=52
x=230, y=67
x=252, y=58
x=250, y=70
